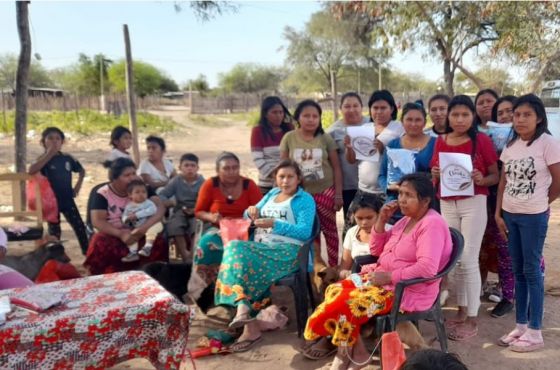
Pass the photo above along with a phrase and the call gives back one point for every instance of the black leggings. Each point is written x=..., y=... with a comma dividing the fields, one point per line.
x=72, y=216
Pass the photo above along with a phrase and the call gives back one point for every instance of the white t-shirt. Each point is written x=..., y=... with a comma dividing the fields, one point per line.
x=146, y=167
x=280, y=211
x=115, y=153
x=351, y=243
x=527, y=175
x=368, y=172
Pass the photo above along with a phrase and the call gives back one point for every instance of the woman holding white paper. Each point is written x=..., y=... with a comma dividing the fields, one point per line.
x=415, y=140
x=351, y=108
x=383, y=113
x=466, y=213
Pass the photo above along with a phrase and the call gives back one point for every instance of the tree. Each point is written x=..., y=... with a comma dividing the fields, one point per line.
x=325, y=45
x=200, y=84
x=250, y=78
x=147, y=78
x=84, y=77
x=529, y=35
x=38, y=75
x=206, y=9
x=492, y=77
x=445, y=29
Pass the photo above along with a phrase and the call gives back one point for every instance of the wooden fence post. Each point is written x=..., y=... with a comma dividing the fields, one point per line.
x=129, y=76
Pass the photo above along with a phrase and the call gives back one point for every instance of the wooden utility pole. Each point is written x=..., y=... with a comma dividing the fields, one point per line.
x=129, y=75
x=22, y=81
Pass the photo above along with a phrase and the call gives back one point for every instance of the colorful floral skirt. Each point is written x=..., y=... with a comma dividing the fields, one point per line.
x=345, y=309
x=105, y=252
x=208, y=255
x=249, y=269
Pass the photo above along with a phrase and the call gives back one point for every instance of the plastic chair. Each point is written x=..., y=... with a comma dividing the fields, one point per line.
x=300, y=283
x=389, y=322
x=90, y=230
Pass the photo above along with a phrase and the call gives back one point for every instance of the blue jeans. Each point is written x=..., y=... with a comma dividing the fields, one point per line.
x=526, y=234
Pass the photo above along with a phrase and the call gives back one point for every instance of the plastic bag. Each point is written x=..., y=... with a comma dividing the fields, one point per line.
x=400, y=162
x=392, y=351
x=500, y=133
x=49, y=203
x=234, y=229
x=271, y=318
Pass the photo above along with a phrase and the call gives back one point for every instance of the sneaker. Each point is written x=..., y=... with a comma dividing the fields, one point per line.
x=502, y=308
x=130, y=257
x=146, y=251
x=495, y=295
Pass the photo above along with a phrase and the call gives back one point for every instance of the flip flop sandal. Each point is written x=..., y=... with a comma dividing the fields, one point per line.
x=318, y=353
x=524, y=345
x=450, y=324
x=459, y=335
x=240, y=322
x=244, y=345
x=508, y=339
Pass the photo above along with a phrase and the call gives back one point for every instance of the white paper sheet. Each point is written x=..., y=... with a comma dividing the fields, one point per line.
x=362, y=138
x=455, y=174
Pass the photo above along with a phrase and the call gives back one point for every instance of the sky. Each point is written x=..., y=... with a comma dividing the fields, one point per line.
x=175, y=42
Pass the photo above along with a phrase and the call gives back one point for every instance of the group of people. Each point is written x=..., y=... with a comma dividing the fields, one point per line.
x=304, y=172
x=516, y=175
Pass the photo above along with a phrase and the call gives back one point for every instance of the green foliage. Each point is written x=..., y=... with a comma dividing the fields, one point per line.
x=249, y=78
x=38, y=75
x=200, y=84
x=84, y=77
x=147, y=79
x=88, y=122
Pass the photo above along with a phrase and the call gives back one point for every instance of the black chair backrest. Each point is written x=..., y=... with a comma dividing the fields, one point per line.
x=90, y=203
x=308, y=244
x=458, y=243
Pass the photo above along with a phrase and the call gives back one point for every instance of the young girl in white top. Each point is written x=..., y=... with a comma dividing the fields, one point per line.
x=530, y=181
x=356, y=242
x=121, y=141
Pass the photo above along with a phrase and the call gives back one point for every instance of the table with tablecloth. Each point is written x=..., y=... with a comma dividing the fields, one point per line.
x=103, y=320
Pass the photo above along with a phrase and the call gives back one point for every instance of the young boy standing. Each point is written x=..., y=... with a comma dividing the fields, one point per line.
x=184, y=189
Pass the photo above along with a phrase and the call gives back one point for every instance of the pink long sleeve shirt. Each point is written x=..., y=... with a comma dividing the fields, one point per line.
x=420, y=253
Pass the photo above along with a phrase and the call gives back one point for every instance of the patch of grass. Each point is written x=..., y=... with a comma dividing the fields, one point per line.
x=87, y=122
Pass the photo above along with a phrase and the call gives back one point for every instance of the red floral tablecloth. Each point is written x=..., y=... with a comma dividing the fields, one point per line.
x=103, y=320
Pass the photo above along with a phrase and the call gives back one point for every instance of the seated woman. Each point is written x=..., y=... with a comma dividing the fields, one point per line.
x=418, y=245
x=284, y=220
x=226, y=195
x=109, y=245
x=156, y=171
x=9, y=278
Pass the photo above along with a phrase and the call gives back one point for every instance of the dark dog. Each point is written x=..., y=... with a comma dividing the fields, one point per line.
x=174, y=277
x=323, y=275
x=30, y=264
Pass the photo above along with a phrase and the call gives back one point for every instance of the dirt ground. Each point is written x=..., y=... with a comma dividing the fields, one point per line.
x=278, y=349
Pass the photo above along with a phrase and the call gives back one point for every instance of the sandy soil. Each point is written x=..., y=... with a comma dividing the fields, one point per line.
x=277, y=350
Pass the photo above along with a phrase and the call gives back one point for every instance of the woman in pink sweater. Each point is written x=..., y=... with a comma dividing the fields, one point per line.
x=418, y=246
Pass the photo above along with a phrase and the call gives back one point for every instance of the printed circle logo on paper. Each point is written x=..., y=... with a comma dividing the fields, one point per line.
x=456, y=178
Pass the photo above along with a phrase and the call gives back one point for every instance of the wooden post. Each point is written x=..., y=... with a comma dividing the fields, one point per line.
x=22, y=81
x=22, y=84
x=333, y=94
x=129, y=75
x=5, y=120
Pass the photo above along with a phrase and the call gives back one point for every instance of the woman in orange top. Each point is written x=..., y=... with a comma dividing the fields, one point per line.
x=227, y=195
